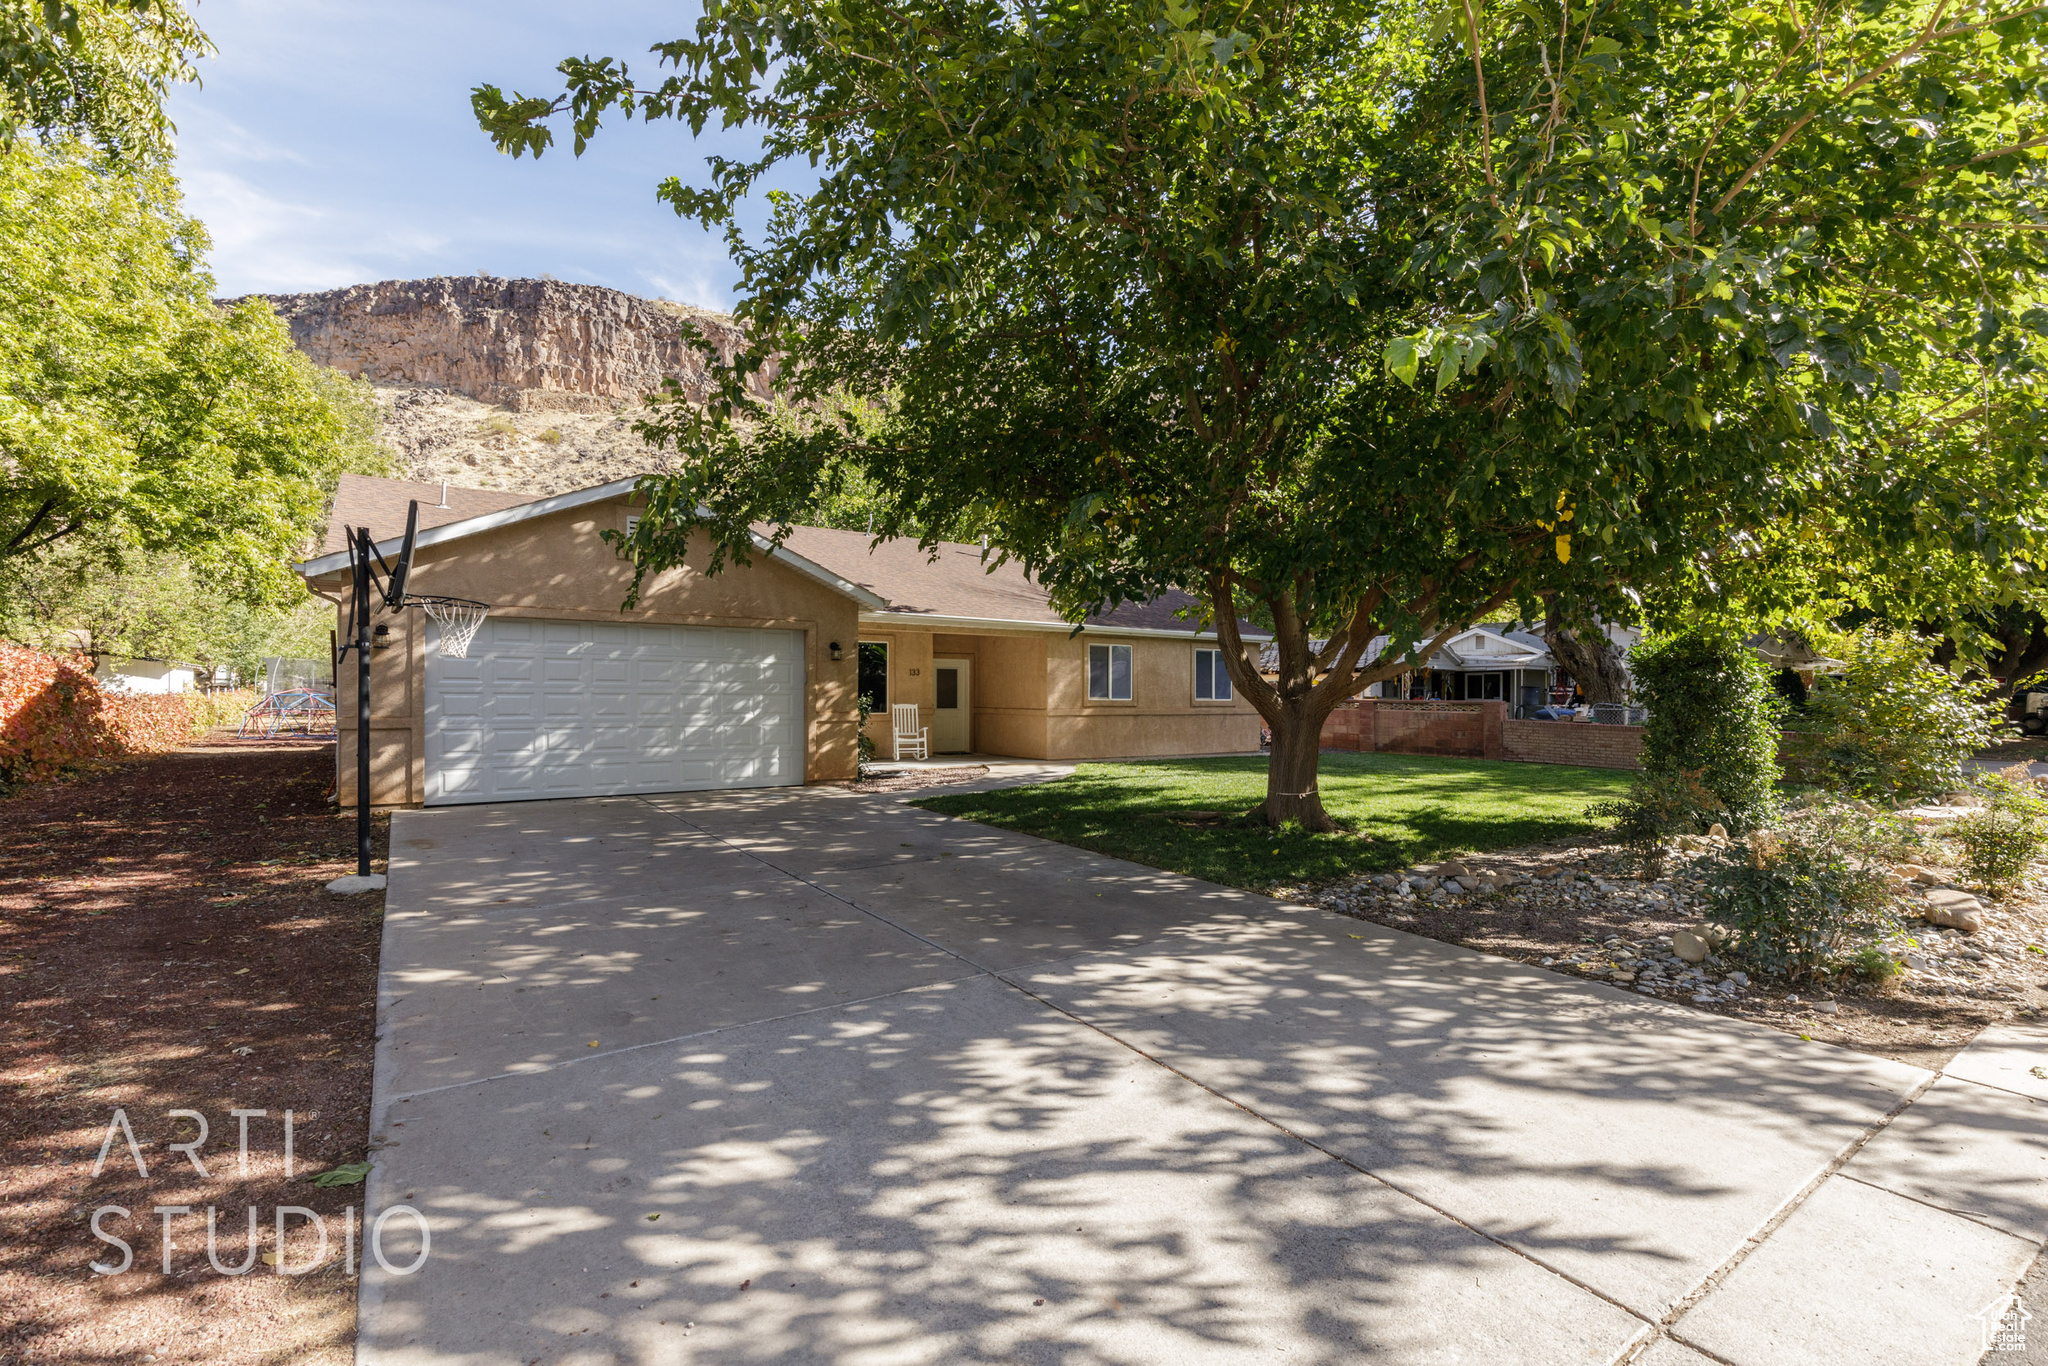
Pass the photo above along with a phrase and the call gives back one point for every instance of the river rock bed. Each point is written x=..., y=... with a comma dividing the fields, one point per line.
x=1577, y=907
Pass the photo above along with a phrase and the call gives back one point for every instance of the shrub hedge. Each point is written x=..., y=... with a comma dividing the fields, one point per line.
x=55, y=717
x=1713, y=720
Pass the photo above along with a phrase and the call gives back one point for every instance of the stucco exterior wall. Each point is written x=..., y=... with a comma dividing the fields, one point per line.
x=1029, y=693
x=557, y=568
x=910, y=680
x=1162, y=716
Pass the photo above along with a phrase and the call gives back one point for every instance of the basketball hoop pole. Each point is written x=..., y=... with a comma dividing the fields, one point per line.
x=364, y=548
x=458, y=619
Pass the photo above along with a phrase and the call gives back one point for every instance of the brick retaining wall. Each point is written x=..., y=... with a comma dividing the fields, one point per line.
x=1478, y=730
x=1573, y=742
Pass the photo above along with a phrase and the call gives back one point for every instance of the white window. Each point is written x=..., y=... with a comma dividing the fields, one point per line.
x=1212, y=680
x=1109, y=673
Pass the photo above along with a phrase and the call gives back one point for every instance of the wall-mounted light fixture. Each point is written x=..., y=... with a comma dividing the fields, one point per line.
x=380, y=639
x=837, y=653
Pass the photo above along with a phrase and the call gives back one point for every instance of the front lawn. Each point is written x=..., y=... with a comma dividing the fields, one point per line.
x=1401, y=809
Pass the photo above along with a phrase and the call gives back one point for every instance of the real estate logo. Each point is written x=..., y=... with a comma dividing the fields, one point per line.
x=108, y=1221
x=2003, y=1323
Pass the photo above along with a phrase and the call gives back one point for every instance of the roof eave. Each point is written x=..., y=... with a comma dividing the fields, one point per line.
x=323, y=565
x=899, y=617
x=471, y=526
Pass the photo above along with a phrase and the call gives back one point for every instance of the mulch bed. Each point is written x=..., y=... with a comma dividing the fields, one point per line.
x=912, y=779
x=166, y=944
x=1924, y=1019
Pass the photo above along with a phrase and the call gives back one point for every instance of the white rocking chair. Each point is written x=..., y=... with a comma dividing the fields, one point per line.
x=912, y=740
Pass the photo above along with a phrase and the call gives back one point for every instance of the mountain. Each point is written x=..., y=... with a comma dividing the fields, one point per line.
x=525, y=385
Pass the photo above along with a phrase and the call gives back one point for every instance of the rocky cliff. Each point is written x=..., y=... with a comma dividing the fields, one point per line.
x=521, y=344
x=527, y=385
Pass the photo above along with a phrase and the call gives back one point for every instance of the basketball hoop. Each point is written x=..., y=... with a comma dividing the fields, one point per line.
x=458, y=619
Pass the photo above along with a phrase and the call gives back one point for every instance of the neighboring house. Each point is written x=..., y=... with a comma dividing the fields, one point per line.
x=145, y=675
x=1493, y=662
x=745, y=679
x=1484, y=663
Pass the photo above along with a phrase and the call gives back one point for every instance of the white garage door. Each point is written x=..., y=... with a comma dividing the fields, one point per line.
x=586, y=709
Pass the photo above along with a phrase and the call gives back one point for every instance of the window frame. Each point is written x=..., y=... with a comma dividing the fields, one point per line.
x=1109, y=673
x=1218, y=675
x=860, y=648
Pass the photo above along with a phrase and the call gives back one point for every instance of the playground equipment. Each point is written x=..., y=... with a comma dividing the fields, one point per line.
x=295, y=711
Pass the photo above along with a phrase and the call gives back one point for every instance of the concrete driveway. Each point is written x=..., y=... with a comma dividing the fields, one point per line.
x=801, y=1076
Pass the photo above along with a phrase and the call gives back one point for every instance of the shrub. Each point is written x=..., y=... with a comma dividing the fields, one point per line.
x=552, y=436
x=54, y=717
x=864, y=743
x=2001, y=841
x=1873, y=964
x=1894, y=725
x=1798, y=902
x=150, y=723
x=1657, y=805
x=1713, y=720
x=51, y=715
x=498, y=424
x=221, y=710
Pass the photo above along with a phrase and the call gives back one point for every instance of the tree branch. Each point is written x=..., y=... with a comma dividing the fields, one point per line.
x=49, y=505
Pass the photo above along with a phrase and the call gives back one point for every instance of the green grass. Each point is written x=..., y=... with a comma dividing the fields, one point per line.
x=1399, y=809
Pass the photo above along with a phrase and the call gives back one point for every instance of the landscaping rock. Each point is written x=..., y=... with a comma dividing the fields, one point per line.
x=1689, y=946
x=1954, y=910
x=1827, y=1008
x=1453, y=869
x=352, y=885
x=1717, y=831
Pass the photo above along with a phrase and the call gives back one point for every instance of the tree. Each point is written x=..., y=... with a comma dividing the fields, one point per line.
x=1152, y=288
x=96, y=70
x=1587, y=653
x=157, y=607
x=137, y=415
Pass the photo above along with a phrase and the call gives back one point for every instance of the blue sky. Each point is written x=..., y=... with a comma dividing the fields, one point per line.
x=332, y=144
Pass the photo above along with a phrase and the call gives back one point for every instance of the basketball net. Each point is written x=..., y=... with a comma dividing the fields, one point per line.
x=458, y=619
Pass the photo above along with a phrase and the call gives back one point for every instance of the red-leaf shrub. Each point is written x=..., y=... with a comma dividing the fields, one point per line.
x=55, y=716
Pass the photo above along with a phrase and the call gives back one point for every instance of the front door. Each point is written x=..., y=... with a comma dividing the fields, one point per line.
x=953, y=713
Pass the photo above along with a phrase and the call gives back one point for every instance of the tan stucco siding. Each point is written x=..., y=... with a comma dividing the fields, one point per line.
x=1162, y=716
x=557, y=567
x=910, y=680
x=1007, y=690
x=1030, y=695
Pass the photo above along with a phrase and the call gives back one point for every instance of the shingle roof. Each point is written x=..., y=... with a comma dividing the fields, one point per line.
x=379, y=504
x=953, y=583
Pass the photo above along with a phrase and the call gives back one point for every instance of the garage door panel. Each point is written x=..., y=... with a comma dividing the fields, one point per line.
x=545, y=709
x=510, y=632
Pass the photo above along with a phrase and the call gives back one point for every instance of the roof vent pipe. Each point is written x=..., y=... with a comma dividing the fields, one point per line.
x=444, y=493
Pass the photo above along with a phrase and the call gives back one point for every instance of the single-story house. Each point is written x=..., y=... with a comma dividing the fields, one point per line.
x=1485, y=663
x=749, y=678
x=145, y=675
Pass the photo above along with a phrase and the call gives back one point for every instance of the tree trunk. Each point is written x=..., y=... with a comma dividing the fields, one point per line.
x=1594, y=664
x=1292, y=793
